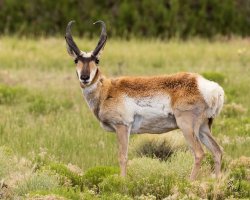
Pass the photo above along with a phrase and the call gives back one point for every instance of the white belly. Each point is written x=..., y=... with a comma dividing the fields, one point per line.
x=150, y=114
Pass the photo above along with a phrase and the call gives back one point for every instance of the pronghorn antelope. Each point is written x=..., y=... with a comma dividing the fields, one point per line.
x=156, y=104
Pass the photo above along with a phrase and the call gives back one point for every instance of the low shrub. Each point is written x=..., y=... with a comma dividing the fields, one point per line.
x=37, y=181
x=238, y=173
x=57, y=193
x=214, y=76
x=96, y=175
x=115, y=196
x=114, y=183
x=147, y=176
x=157, y=146
x=206, y=189
x=75, y=179
x=89, y=195
x=180, y=165
x=44, y=197
x=146, y=197
x=238, y=185
x=159, y=187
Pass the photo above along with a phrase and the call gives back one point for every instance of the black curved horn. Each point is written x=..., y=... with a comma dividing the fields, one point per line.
x=69, y=39
x=102, y=40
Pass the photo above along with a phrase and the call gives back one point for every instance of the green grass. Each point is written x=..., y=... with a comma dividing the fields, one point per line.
x=43, y=112
x=147, y=178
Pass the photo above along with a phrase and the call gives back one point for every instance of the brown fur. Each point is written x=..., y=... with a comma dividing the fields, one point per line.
x=182, y=88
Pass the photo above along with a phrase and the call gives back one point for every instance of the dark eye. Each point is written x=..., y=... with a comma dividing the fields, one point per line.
x=97, y=61
x=76, y=61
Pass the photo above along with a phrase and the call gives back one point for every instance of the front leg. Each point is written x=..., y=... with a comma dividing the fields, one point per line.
x=122, y=132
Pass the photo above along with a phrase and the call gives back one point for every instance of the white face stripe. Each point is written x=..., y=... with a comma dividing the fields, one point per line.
x=78, y=71
x=86, y=54
x=92, y=75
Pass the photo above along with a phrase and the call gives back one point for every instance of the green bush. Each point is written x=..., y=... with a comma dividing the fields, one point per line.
x=89, y=195
x=48, y=196
x=115, y=196
x=180, y=164
x=164, y=19
x=60, y=192
x=238, y=180
x=75, y=179
x=114, y=183
x=238, y=173
x=96, y=175
x=238, y=185
x=149, y=176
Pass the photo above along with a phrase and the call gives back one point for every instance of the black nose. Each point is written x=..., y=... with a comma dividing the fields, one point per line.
x=84, y=77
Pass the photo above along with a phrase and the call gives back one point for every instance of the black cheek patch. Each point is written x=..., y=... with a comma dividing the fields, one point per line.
x=76, y=61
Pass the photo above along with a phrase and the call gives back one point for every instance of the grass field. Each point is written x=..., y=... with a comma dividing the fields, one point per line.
x=42, y=111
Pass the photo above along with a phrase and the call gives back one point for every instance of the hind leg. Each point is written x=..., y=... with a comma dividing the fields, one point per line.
x=207, y=139
x=186, y=122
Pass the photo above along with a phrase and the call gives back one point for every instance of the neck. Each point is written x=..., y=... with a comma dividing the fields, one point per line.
x=92, y=93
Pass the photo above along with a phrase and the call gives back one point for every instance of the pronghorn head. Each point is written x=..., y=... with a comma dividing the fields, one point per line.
x=86, y=62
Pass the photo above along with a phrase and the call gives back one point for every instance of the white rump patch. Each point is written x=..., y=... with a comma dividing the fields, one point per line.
x=213, y=94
